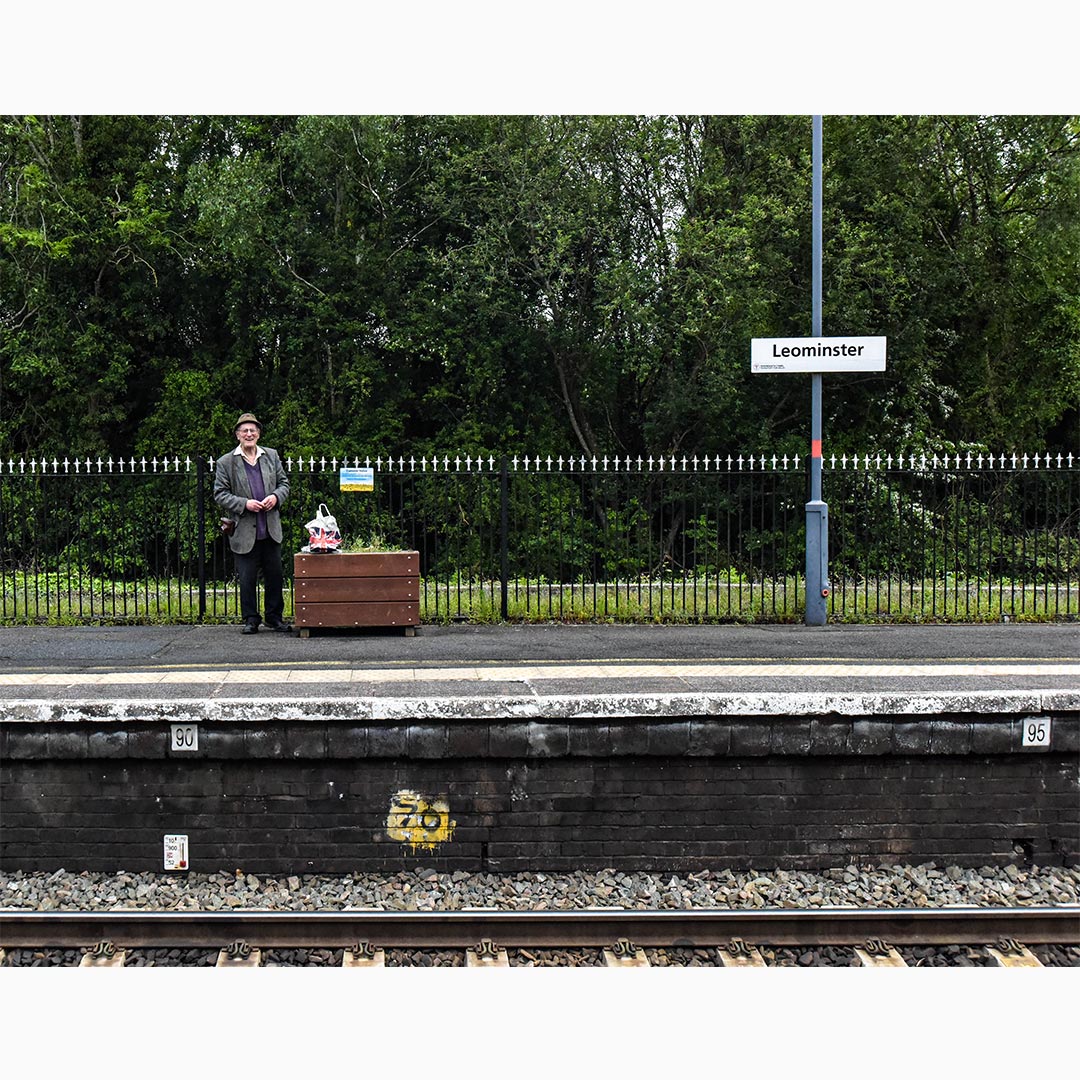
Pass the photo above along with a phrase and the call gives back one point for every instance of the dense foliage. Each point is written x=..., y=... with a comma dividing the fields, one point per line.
x=585, y=284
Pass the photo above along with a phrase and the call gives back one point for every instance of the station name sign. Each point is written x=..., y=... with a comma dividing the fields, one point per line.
x=779, y=355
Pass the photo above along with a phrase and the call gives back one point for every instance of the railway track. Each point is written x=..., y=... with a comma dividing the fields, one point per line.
x=733, y=938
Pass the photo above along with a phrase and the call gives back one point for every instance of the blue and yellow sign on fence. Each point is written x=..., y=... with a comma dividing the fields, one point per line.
x=357, y=479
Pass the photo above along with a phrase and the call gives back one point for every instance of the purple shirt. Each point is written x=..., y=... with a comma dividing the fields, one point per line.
x=258, y=493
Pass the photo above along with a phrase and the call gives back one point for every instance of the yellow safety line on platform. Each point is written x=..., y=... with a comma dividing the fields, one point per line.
x=622, y=662
x=540, y=673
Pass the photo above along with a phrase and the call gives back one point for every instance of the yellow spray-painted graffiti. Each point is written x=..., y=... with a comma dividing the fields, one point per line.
x=420, y=821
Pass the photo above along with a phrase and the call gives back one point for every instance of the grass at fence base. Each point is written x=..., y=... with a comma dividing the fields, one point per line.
x=59, y=600
x=49, y=599
x=761, y=602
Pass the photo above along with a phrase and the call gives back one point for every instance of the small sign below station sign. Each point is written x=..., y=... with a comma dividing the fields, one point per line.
x=784, y=355
x=357, y=480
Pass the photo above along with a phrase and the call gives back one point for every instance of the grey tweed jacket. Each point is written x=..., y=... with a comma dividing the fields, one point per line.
x=232, y=491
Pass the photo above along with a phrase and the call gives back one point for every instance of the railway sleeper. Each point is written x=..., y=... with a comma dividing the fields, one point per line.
x=487, y=955
x=736, y=953
x=363, y=954
x=1010, y=953
x=624, y=953
x=104, y=954
x=239, y=954
x=878, y=953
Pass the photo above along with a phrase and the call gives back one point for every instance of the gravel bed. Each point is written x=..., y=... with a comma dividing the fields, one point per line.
x=555, y=957
x=43, y=957
x=683, y=957
x=823, y=956
x=866, y=885
x=425, y=958
x=302, y=957
x=171, y=957
x=1057, y=955
x=878, y=885
x=946, y=956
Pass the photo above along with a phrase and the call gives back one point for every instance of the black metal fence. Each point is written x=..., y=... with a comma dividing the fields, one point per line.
x=530, y=538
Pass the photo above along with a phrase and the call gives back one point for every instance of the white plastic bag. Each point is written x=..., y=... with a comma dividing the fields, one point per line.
x=323, y=532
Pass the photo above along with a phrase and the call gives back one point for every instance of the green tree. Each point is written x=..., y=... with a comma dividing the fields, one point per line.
x=91, y=266
x=957, y=237
x=575, y=284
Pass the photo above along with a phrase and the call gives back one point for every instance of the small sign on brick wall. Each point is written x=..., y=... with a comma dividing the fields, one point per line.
x=421, y=821
x=176, y=852
x=1036, y=731
x=185, y=737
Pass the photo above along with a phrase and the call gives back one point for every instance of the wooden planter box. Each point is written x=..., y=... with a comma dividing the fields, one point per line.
x=369, y=588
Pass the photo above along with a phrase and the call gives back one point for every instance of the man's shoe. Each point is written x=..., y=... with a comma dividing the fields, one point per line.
x=250, y=628
x=281, y=627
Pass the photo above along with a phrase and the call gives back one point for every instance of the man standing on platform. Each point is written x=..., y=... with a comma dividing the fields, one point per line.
x=251, y=485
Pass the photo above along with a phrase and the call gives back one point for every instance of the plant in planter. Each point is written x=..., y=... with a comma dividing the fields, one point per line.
x=364, y=584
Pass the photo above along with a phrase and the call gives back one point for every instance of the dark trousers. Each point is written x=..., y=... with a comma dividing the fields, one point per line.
x=266, y=554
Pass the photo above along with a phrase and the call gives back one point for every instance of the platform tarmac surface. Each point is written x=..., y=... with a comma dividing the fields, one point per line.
x=501, y=669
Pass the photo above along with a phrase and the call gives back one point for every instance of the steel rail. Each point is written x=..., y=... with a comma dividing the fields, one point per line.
x=1059, y=925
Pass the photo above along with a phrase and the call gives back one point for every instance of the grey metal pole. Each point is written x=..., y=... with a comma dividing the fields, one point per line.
x=817, y=511
x=200, y=528
x=504, y=542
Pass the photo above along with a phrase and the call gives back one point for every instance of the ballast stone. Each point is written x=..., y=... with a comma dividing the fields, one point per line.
x=854, y=885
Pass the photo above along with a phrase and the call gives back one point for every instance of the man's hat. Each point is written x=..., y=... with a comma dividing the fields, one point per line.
x=247, y=418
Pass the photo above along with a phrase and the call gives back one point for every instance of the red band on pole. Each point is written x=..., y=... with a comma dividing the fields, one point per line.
x=815, y=448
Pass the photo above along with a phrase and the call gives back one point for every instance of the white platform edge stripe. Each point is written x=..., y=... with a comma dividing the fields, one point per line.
x=541, y=707
x=537, y=673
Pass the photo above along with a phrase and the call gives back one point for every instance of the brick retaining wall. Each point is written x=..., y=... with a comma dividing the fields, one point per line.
x=672, y=794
